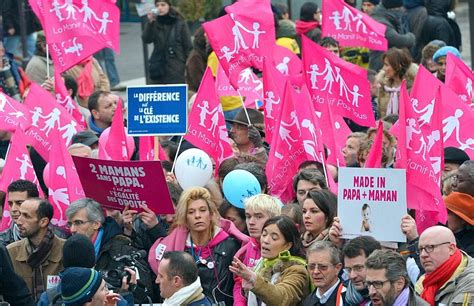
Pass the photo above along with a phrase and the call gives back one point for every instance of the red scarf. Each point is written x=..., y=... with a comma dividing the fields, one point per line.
x=434, y=280
x=85, y=82
x=302, y=27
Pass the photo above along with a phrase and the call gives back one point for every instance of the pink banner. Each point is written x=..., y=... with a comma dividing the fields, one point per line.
x=76, y=29
x=342, y=85
x=250, y=88
x=273, y=96
x=351, y=27
x=147, y=149
x=13, y=114
x=65, y=100
x=374, y=158
x=459, y=78
x=116, y=184
x=207, y=129
x=47, y=118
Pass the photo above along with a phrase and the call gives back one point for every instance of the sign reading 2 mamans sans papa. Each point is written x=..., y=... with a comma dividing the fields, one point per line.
x=116, y=184
x=372, y=202
x=157, y=110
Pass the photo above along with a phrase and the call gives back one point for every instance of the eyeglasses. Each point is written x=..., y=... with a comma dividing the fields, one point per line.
x=356, y=268
x=320, y=267
x=77, y=223
x=429, y=248
x=376, y=284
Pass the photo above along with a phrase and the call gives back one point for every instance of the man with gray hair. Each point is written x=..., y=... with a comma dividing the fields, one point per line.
x=387, y=280
x=86, y=216
x=324, y=265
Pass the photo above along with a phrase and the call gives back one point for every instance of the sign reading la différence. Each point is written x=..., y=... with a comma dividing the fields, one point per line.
x=157, y=110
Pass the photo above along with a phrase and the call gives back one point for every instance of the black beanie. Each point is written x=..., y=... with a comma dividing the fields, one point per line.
x=455, y=156
x=392, y=3
x=78, y=251
x=79, y=285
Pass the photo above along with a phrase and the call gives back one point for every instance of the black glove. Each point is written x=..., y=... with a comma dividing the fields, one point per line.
x=255, y=137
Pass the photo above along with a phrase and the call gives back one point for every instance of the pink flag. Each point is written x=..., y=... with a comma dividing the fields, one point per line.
x=242, y=37
x=13, y=114
x=76, y=29
x=285, y=61
x=207, y=129
x=295, y=142
x=273, y=96
x=351, y=27
x=114, y=144
x=374, y=159
x=65, y=100
x=423, y=180
x=18, y=165
x=64, y=185
x=251, y=88
x=47, y=117
x=349, y=96
x=147, y=149
x=223, y=86
x=459, y=78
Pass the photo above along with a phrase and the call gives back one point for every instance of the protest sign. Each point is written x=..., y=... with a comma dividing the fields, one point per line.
x=372, y=202
x=116, y=184
x=157, y=110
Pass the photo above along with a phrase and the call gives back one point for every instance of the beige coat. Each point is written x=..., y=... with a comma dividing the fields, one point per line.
x=52, y=266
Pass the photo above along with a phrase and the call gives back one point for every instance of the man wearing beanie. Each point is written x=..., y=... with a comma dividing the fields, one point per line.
x=461, y=219
x=440, y=58
x=390, y=13
x=368, y=6
x=453, y=158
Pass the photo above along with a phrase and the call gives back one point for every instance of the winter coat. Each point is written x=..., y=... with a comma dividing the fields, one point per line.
x=114, y=244
x=12, y=287
x=11, y=17
x=396, y=33
x=222, y=255
x=195, y=67
x=313, y=300
x=384, y=97
x=176, y=49
x=36, y=70
x=51, y=266
x=459, y=290
x=249, y=254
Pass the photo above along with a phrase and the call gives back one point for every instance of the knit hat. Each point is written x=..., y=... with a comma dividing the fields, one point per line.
x=444, y=52
x=455, y=156
x=84, y=258
x=79, y=285
x=462, y=205
x=392, y=3
x=374, y=2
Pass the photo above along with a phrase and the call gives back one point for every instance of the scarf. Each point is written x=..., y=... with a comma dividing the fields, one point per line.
x=303, y=27
x=355, y=297
x=94, y=128
x=436, y=279
x=308, y=239
x=392, y=107
x=183, y=294
x=36, y=258
x=402, y=299
x=85, y=82
x=98, y=242
x=16, y=232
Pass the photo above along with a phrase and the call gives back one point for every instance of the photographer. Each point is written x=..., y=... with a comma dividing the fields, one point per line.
x=113, y=250
x=168, y=32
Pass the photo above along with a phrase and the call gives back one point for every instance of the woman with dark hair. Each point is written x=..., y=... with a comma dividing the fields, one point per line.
x=168, y=32
x=309, y=23
x=280, y=277
x=397, y=66
x=235, y=215
x=319, y=210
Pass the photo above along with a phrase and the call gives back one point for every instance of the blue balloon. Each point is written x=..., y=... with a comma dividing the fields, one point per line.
x=239, y=185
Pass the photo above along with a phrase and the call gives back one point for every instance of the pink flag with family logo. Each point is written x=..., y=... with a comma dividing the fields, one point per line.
x=64, y=186
x=76, y=29
x=250, y=88
x=18, y=165
x=374, y=158
x=147, y=149
x=272, y=97
x=413, y=154
x=459, y=78
x=13, y=114
x=242, y=37
x=342, y=85
x=65, y=100
x=223, y=86
x=207, y=129
x=351, y=27
x=285, y=61
x=47, y=117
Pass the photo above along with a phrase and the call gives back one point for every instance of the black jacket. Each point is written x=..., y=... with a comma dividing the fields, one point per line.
x=313, y=300
x=12, y=287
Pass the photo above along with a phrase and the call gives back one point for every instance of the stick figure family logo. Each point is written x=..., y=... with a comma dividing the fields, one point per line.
x=331, y=74
x=283, y=66
x=196, y=162
x=25, y=164
x=52, y=121
x=239, y=40
x=204, y=106
x=70, y=9
x=452, y=127
x=74, y=46
x=348, y=18
x=270, y=100
x=248, y=194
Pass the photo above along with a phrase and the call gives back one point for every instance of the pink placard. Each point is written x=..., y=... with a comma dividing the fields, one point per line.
x=115, y=184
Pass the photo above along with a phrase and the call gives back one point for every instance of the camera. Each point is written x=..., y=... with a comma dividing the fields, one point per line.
x=114, y=277
x=155, y=11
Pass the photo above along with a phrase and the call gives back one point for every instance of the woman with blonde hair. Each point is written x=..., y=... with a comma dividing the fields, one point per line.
x=211, y=240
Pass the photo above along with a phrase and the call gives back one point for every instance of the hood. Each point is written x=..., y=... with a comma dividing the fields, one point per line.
x=111, y=229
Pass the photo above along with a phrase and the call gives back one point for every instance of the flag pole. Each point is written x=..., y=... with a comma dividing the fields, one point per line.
x=244, y=108
x=177, y=153
x=156, y=143
x=47, y=61
x=324, y=169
